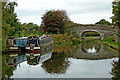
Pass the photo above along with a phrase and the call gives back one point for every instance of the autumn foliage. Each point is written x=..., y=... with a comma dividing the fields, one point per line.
x=53, y=21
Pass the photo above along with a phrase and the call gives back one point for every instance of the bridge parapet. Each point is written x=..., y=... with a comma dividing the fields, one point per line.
x=92, y=27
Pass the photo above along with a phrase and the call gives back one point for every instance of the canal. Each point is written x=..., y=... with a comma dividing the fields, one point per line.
x=89, y=60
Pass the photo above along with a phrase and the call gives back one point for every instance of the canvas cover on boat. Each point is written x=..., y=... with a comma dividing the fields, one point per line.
x=21, y=42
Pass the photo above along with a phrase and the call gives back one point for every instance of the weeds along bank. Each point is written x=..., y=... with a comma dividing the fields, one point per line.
x=65, y=39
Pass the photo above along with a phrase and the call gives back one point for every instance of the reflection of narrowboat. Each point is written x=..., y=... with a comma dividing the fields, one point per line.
x=46, y=57
x=32, y=58
x=15, y=59
x=12, y=44
x=11, y=59
x=35, y=59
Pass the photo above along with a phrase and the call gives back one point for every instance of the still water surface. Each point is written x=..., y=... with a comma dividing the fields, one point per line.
x=89, y=60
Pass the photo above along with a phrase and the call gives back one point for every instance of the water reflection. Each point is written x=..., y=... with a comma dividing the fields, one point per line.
x=7, y=69
x=57, y=64
x=89, y=60
x=91, y=50
x=90, y=46
x=33, y=59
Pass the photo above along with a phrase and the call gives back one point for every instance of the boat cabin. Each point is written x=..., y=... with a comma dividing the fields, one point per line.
x=45, y=40
x=21, y=42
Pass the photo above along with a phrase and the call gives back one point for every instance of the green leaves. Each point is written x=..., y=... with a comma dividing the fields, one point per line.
x=104, y=22
x=54, y=20
x=9, y=21
x=116, y=12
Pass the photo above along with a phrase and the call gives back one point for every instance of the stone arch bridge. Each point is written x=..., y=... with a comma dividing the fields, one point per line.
x=103, y=30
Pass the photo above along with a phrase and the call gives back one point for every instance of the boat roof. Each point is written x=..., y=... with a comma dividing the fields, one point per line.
x=45, y=36
x=22, y=38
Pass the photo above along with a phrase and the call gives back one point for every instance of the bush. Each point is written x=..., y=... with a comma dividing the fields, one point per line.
x=65, y=39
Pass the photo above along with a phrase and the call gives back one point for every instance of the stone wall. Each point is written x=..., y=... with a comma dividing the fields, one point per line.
x=103, y=30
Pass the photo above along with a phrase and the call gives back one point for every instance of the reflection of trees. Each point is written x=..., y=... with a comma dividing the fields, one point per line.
x=7, y=71
x=57, y=64
x=116, y=70
x=65, y=49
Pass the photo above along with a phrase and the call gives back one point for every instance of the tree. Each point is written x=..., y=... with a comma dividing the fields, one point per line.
x=104, y=22
x=116, y=70
x=9, y=17
x=9, y=21
x=53, y=21
x=116, y=12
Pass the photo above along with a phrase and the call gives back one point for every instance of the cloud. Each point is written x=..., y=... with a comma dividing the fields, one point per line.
x=76, y=9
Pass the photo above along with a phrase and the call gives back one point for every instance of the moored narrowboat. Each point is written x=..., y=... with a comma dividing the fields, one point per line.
x=15, y=44
x=11, y=43
x=33, y=45
x=21, y=42
x=30, y=44
x=45, y=40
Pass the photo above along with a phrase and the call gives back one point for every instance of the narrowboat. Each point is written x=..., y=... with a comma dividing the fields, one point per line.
x=15, y=44
x=46, y=49
x=21, y=42
x=45, y=40
x=33, y=45
x=11, y=43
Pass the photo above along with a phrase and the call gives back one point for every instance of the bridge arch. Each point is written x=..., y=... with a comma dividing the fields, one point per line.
x=103, y=30
x=82, y=33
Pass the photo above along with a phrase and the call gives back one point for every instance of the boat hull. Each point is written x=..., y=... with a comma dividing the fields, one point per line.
x=13, y=49
x=35, y=50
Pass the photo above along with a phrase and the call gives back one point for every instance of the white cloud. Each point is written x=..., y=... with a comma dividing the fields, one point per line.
x=79, y=11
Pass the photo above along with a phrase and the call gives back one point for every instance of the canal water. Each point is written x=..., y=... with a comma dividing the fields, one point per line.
x=89, y=60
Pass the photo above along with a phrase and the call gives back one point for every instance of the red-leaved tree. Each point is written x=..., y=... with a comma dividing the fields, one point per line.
x=53, y=21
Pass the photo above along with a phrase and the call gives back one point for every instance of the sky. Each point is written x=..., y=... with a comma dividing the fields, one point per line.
x=79, y=11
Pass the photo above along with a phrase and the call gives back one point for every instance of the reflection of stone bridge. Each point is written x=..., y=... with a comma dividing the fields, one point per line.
x=103, y=30
x=103, y=53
